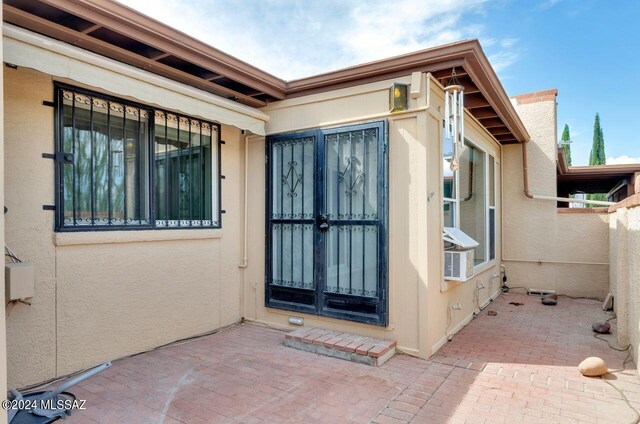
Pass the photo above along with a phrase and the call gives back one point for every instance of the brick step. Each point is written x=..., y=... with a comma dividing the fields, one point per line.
x=351, y=347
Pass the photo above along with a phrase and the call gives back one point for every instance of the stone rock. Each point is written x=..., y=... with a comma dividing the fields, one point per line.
x=549, y=301
x=601, y=327
x=492, y=313
x=593, y=367
x=550, y=296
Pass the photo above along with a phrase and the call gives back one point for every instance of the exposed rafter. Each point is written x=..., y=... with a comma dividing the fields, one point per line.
x=113, y=30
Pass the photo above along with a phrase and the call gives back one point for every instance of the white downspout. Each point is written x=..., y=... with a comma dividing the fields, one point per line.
x=245, y=260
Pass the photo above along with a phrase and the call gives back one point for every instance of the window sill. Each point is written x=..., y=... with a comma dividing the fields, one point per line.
x=479, y=269
x=112, y=237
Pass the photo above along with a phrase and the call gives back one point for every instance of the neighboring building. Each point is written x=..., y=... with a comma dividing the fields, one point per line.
x=189, y=190
x=616, y=181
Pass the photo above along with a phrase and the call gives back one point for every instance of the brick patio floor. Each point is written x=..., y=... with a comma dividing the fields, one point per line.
x=518, y=366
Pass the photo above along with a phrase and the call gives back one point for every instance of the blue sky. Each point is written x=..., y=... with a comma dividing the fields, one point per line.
x=589, y=50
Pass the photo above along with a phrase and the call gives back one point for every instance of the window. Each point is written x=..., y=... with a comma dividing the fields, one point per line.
x=123, y=165
x=473, y=197
x=492, y=207
x=469, y=197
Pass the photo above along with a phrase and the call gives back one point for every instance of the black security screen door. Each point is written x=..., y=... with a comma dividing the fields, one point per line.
x=327, y=222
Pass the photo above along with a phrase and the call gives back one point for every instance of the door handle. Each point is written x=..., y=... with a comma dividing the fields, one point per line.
x=323, y=222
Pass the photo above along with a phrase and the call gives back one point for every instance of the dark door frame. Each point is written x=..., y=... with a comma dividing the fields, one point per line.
x=318, y=301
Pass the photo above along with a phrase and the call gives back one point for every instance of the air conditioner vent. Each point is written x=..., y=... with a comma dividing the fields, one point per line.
x=458, y=264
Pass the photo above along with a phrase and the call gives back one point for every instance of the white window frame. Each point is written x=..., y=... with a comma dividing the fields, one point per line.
x=488, y=262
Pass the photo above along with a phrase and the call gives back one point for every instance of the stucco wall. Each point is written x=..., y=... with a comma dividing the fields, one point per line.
x=407, y=146
x=545, y=249
x=3, y=334
x=625, y=272
x=418, y=299
x=444, y=323
x=104, y=295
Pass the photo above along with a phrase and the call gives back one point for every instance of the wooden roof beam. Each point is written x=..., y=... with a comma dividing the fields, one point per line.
x=164, y=38
x=475, y=101
x=505, y=137
x=485, y=112
x=445, y=74
x=27, y=20
x=499, y=130
x=91, y=29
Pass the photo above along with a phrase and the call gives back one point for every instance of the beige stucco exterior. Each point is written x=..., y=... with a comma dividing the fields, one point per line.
x=104, y=295
x=419, y=299
x=625, y=273
x=545, y=249
x=3, y=328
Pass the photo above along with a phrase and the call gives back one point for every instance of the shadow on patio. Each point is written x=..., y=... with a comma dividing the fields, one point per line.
x=518, y=366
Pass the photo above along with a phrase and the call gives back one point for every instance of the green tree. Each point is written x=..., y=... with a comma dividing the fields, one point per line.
x=566, y=138
x=597, y=156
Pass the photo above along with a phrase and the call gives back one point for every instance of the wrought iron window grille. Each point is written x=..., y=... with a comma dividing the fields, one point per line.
x=131, y=166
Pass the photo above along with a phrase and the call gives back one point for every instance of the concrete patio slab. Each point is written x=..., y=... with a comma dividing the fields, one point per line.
x=517, y=366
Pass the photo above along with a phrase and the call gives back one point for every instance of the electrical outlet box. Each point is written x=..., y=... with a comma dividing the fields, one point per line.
x=18, y=280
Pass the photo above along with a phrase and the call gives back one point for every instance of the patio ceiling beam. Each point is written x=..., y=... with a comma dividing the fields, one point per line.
x=126, y=21
x=491, y=122
x=485, y=78
x=485, y=112
x=474, y=101
x=27, y=20
x=445, y=74
x=160, y=56
x=499, y=130
x=505, y=137
x=469, y=86
x=91, y=29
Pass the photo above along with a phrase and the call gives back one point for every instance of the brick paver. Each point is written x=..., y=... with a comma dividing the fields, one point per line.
x=516, y=367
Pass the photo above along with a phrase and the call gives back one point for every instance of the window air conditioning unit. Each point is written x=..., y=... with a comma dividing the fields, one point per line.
x=458, y=263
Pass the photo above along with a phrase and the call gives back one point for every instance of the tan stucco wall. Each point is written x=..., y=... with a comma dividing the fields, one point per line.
x=3, y=330
x=100, y=296
x=544, y=249
x=418, y=307
x=441, y=294
x=407, y=146
x=625, y=275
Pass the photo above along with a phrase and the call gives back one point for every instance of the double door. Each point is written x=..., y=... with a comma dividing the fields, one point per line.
x=326, y=222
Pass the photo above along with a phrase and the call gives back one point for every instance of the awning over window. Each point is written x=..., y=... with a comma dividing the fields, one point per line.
x=63, y=61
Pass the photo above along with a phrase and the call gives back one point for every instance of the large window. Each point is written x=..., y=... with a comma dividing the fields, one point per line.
x=469, y=197
x=123, y=165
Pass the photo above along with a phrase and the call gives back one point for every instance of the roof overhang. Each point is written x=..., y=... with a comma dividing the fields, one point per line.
x=118, y=32
x=485, y=97
x=592, y=179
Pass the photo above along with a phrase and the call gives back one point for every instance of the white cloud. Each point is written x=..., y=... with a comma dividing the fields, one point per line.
x=297, y=38
x=622, y=160
x=547, y=4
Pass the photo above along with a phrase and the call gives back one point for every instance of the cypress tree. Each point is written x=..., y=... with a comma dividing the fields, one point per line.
x=565, y=145
x=597, y=156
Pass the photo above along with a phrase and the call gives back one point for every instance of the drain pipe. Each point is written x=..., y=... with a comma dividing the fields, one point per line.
x=527, y=193
x=525, y=170
x=245, y=260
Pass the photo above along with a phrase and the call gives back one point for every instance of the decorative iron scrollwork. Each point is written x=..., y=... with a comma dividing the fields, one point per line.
x=296, y=179
x=351, y=164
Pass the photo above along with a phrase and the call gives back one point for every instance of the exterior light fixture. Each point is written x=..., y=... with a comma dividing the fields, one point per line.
x=454, y=111
x=398, y=99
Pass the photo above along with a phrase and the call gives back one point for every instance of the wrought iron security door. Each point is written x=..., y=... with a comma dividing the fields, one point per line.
x=326, y=222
